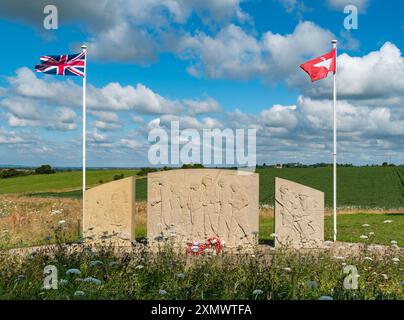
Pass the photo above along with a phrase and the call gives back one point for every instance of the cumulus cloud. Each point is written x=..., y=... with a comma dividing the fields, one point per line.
x=233, y=53
x=202, y=106
x=377, y=75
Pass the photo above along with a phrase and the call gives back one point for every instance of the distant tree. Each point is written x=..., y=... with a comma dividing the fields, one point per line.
x=193, y=166
x=44, y=169
x=10, y=173
x=385, y=164
x=118, y=176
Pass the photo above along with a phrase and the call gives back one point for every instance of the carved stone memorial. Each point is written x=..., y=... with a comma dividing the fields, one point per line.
x=109, y=212
x=196, y=204
x=299, y=215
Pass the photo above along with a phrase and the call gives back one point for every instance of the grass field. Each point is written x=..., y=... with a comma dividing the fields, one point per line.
x=362, y=187
x=63, y=181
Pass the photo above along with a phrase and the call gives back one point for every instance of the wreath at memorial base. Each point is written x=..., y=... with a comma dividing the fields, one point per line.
x=213, y=244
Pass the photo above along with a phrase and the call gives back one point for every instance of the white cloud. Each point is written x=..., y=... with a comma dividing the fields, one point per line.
x=233, y=53
x=279, y=116
x=377, y=75
x=28, y=113
x=113, y=96
x=202, y=106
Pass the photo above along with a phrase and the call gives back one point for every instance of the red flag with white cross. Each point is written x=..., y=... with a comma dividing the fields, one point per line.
x=320, y=67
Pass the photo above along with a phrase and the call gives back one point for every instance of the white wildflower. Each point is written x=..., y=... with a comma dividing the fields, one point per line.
x=73, y=271
x=92, y=280
x=95, y=263
x=364, y=236
x=257, y=292
x=79, y=293
x=162, y=292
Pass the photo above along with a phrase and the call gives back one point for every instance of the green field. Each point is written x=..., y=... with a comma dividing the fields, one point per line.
x=363, y=187
x=63, y=181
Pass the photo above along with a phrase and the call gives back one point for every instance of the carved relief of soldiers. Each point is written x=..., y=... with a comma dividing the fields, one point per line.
x=239, y=202
x=160, y=195
x=211, y=206
x=294, y=213
x=225, y=209
x=195, y=205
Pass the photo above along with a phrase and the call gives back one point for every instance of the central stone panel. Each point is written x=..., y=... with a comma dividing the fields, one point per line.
x=196, y=204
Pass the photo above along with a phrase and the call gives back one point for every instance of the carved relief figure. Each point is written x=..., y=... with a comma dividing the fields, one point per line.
x=160, y=204
x=295, y=211
x=178, y=203
x=196, y=209
x=211, y=206
x=225, y=209
x=239, y=202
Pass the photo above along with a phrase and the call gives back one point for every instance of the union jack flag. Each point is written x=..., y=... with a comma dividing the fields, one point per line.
x=63, y=65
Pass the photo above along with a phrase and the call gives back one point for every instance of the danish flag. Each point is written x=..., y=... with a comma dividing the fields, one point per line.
x=63, y=65
x=318, y=68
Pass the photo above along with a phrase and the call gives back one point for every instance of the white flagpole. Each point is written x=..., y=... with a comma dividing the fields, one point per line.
x=334, y=43
x=84, y=47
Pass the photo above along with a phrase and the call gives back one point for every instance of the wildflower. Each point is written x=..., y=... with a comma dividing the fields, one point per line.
x=287, y=269
x=396, y=259
x=79, y=293
x=257, y=292
x=393, y=242
x=364, y=237
x=73, y=271
x=385, y=276
x=162, y=292
x=365, y=225
x=63, y=282
x=371, y=233
x=368, y=258
x=113, y=263
x=338, y=258
x=312, y=284
x=180, y=276
x=325, y=298
x=92, y=280
x=387, y=221
x=138, y=267
x=273, y=235
x=95, y=263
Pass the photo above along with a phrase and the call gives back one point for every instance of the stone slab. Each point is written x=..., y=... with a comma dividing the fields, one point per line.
x=109, y=212
x=299, y=215
x=195, y=204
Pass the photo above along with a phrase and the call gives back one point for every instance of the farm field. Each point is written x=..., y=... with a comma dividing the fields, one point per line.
x=63, y=181
x=358, y=187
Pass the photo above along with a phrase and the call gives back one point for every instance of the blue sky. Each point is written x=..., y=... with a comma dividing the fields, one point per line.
x=208, y=64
